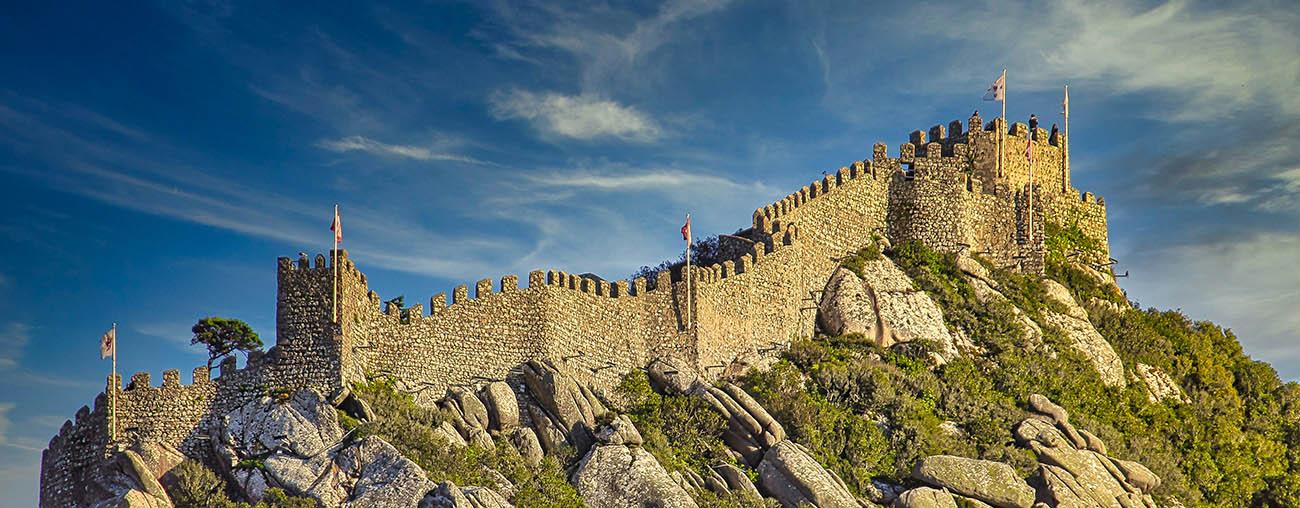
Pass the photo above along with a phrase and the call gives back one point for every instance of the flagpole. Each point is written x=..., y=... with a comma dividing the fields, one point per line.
x=688, y=272
x=116, y=384
x=1002, y=132
x=1065, y=143
x=334, y=305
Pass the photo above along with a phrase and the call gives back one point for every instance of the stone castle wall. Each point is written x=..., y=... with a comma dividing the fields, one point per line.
x=943, y=189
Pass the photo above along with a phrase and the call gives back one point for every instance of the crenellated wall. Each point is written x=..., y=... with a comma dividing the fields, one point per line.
x=944, y=188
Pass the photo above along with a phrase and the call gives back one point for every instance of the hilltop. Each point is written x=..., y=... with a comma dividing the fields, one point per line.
x=935, y=328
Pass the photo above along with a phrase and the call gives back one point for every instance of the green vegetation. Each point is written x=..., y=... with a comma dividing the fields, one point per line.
x=409, y=428
x=223, y=336
x=192, y=485
x=870, y=413
x=684, y=434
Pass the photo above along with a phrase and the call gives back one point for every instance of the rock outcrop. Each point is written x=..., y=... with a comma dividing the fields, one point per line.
x=790, y=475
x=882, y=305
x=295, y=443
x=618, y=473
x=994, y=483
x=1159, y=386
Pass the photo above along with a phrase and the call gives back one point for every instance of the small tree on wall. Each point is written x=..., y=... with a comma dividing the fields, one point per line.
x=224, y=336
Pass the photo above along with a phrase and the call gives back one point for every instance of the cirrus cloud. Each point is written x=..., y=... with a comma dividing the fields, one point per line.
x=582, y=117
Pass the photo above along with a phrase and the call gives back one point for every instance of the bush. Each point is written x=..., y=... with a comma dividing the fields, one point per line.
x=193, y=485
x=682, y=432
x=409, y=428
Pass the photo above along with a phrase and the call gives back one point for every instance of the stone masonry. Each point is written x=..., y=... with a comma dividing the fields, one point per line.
x=944, y=188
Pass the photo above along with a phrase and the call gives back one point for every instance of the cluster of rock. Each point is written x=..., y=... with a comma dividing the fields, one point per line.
x=1074, y=470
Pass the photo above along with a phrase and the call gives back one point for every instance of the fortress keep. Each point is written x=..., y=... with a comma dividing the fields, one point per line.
x=944, y=188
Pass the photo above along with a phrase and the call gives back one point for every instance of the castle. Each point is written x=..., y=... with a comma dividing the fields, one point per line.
x=944, y=188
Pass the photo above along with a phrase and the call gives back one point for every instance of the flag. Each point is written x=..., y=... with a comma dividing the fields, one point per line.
x=108, y=343
x=1065, y=104
x=686, y=229
x=1029, y=149
x=997, y=91
x=337, y=226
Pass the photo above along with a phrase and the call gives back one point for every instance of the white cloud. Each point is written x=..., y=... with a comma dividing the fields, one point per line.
x=654, y=179
x=13, y=340
x=578, y=117
x=1249, y=284
x=367, y=145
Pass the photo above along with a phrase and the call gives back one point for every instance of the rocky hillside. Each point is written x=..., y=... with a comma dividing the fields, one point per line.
x=933, y=381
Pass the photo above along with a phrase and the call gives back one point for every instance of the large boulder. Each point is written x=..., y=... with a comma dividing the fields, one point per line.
x=132, y=484
x=295, y=443
x=849, y=306
x=790, y=475
x=925, y=497
x=992, y=482
x=502, y=406
x=617, y=476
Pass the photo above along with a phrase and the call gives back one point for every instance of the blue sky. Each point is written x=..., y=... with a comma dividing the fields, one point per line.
x=156, y=159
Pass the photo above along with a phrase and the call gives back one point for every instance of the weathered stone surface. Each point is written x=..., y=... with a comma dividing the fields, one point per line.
x=992, y=482
x=1138, y=475
x=1092, y=471
x=848, y=306
x=561, y=397
x=1159, y=386
x=1062, y=295
x=619, y=431
x=750, y=428
x=790, y=475
x=736, y=480
x=925, y=497
x=1086, y=340
x=615, y=476
x=469, y=407
x=672, y=376
x=298, y=443
x=449, y=433
x=448, y=495
x=502, y=406
x=525, y=440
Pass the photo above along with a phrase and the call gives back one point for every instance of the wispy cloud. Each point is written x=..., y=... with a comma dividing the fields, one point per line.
x=13, y=341
x=647, y=180
x=611, y=46
x=370, y=146
x=577, y=117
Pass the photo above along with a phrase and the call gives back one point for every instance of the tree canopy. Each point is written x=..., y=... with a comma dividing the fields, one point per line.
x=223, y=336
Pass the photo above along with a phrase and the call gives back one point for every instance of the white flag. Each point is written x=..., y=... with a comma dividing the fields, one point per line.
x=108, y=343
x=997, y=91
x=1065, y=104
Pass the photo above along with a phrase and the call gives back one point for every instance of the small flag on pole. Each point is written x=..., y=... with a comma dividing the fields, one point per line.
x=1065, y=104
x=337, y=227
x=686, y=229
x=997, y=91
x=1029, y=150
x=108, y=343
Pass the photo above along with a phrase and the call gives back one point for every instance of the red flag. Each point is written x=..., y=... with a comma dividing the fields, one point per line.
x=108, y=343
x=686, y=229
x=337, y=226
x=1029, y=150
